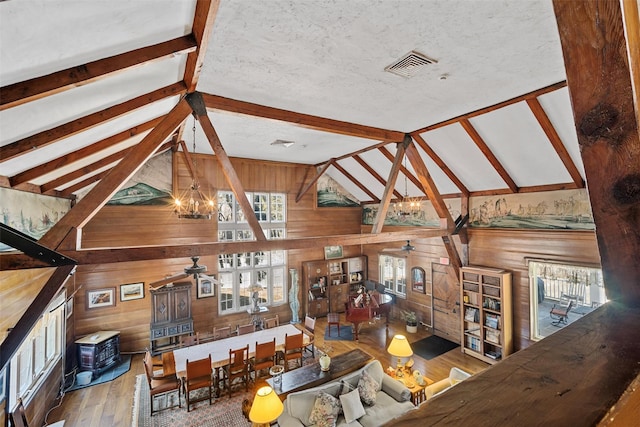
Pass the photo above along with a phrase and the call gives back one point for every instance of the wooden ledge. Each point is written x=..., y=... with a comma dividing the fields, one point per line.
x=572, y=377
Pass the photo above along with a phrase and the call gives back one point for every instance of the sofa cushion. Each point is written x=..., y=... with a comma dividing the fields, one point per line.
x=325, y=410
x=352, y=406
x=368, y=388
x=300, y=404
x=385, y=409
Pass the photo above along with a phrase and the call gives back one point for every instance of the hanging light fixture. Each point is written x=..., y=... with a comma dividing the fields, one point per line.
x=197, y=206
x=407, y=206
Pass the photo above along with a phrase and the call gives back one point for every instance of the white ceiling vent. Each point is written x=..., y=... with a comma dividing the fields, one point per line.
x=409, y=65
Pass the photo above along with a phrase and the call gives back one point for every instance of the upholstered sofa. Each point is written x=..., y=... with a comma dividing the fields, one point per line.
x=392, y=399
x=455, y=376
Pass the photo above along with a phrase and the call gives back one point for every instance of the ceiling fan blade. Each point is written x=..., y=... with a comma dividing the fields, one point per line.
x=207, y=277
x=160, y=283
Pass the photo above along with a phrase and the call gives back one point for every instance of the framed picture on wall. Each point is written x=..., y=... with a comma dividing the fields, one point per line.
x=206, y=286
x=332, y=252
x=131, y=291
x=101, y=298
x=417, y=280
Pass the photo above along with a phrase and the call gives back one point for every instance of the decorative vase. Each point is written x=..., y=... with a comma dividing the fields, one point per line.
x=294, y=304
x=325, y=361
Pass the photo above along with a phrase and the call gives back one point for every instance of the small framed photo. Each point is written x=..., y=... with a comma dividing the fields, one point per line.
x=206, y=286
x=69, y=307
x=332, y=252
x=101, y=298
x=132, y=291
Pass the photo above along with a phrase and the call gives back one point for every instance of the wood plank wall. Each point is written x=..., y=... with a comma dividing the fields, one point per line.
x=132, y=225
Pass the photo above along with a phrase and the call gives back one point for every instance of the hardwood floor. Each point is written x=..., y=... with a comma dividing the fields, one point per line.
x=110, y=404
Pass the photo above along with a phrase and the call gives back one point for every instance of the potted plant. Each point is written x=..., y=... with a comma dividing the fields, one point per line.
x=412, y=321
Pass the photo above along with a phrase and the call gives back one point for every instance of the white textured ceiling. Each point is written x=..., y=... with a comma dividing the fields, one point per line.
x=324, y=58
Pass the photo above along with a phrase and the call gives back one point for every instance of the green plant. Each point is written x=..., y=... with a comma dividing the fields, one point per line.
x=410, y=317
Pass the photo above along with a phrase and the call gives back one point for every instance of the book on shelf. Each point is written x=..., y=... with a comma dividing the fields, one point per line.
x=492, y=336
x=495, y=355
x=492, y=320
x=471, y=314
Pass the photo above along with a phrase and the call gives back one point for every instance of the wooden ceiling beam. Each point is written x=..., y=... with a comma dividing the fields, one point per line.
x=485, y=110
x=40, y=87
x=378, y=221
x=81, y=153
x=596, y=58
x=84, y=170
x=556, y=142
x=214, y=102
x=441, y=164
x=196, y=101
x=205, y=16
x=91, y=203
x=351, y=178
x=406, y=172
x=57, y=133
x=305, y=188
x=375, y=174
x=14, y=260
x=484, y=148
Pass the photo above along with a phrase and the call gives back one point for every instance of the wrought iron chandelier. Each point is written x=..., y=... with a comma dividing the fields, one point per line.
x=197, y=206
x=408, y=205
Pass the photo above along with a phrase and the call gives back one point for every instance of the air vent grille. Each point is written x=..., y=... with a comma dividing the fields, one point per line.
x=410, y=64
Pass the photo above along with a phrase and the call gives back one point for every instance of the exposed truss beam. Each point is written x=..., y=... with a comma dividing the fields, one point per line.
x=13, y=261
x=593, y=39
x=441, y=164
x=81, y=153
x=555, y=140
x=313, y=180
x=406, y=172
x=214, y=102
x=90, y=204
x=378, y=221
x=40, y=87
x=49, y=136
x=196, y=102
x=206, y=12
x=355, y=181
x=375, y=174
x=484, y=148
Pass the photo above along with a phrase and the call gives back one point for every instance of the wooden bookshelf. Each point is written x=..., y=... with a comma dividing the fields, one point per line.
x=487, y=317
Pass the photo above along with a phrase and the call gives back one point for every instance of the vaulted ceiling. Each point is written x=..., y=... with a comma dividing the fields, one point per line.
x=84, y=82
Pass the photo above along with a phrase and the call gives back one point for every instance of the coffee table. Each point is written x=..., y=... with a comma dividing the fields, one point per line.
x=311, y=375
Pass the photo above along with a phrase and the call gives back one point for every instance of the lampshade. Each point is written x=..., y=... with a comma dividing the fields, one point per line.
x=266, y=407
x=400, y=347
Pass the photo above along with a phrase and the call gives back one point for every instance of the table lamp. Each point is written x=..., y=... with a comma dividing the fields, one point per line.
x=266, y=407
x=399, y=347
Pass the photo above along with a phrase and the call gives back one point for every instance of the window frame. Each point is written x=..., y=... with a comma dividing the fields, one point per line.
x=396, y=285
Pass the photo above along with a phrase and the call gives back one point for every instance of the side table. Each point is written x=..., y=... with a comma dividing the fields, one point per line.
x=417, y=391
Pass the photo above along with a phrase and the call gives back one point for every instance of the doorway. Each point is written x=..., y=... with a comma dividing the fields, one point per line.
x=446, y=302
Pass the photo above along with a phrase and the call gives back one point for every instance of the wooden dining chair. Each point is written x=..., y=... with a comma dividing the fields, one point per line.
x=293, y=348
x=189, y=340
x=310, y=326
x=237, y=368
x=160, y=384
x=199, y=375
x=271, y=322
x=265, y=357
x=246, y=329
x=221, y=333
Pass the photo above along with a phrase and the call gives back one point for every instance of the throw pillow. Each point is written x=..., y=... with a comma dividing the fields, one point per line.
x=352, y=406
x=325, y=410
x=367, y=387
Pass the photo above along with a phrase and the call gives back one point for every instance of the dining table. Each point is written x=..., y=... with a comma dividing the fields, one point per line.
x=219, y=349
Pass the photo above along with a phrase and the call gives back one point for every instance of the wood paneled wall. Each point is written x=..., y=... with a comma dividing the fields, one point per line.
x=117, y=226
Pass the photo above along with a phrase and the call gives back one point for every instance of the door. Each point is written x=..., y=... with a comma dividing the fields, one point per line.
x=446, y=302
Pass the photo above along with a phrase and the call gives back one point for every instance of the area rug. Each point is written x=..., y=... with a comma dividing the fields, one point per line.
x=109, y=375
x=223, y=412
x=346, y=333
x=432, y=346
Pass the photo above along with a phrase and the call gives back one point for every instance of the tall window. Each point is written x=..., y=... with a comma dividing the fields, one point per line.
x=38, y=354
x=240, y=274
x=393, y=274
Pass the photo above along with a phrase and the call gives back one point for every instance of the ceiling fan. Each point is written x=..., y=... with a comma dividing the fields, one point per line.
x=194, y=270
x=407, y=247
